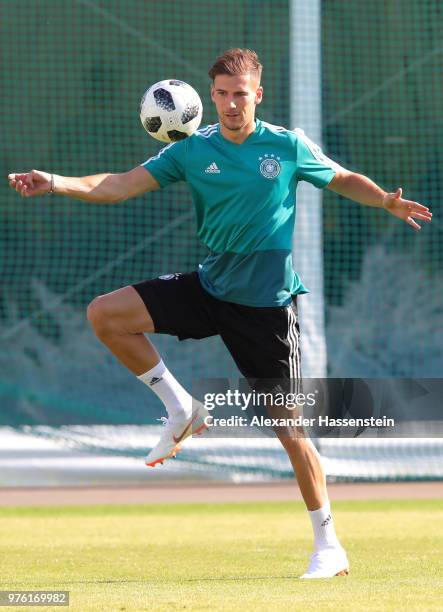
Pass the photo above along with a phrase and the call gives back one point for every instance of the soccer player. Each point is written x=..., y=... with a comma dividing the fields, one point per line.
x=243, y=175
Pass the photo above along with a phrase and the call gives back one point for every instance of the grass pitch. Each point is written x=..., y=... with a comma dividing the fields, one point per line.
x=244, y=556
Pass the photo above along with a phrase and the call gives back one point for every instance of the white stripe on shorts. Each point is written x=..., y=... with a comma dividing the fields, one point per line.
x=294, y=361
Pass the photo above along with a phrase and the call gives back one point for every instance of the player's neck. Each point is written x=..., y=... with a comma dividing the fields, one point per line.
x=238, y=136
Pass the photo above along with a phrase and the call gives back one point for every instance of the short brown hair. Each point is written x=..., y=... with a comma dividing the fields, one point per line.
x=235, y=62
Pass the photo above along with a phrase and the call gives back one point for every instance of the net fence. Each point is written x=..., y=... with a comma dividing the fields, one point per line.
x=72, y=75
x=381, y=91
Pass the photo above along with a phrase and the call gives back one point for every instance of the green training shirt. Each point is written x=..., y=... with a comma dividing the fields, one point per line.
x=244, y=197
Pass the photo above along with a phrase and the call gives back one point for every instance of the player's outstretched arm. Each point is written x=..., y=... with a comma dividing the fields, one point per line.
x=361, y=189
x=97, y=188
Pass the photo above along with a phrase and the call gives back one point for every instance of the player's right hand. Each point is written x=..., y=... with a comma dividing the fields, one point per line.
x=32, y=183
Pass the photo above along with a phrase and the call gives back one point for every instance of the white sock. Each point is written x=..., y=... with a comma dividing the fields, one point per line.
x=323, y=526
x=177, y=401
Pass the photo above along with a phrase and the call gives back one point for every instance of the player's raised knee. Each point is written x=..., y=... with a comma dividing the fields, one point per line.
x=101, y=314
x=121, y=311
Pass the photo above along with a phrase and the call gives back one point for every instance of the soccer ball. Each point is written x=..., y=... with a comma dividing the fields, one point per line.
x=171, y=110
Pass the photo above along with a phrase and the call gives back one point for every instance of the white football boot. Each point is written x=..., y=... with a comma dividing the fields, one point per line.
x=175, y=431
x=327, y=563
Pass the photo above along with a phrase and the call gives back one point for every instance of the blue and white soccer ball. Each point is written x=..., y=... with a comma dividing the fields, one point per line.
x=171, y=110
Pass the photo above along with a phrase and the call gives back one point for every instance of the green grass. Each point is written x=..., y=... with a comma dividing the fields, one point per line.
x=223, y=557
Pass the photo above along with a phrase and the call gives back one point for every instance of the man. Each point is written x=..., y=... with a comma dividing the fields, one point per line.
x=243, y=174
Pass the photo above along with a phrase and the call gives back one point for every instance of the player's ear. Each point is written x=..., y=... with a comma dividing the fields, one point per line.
x=212, y=92
x=259, y=95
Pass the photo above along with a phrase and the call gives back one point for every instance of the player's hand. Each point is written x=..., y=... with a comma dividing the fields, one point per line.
x=32, y=183
x=406, y=209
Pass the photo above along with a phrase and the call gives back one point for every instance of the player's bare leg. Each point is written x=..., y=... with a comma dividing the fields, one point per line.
x=329, y=558
x=120, y=319
x=308, y=470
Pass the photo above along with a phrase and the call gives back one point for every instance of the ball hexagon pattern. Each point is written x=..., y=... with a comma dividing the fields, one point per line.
x=171, y=110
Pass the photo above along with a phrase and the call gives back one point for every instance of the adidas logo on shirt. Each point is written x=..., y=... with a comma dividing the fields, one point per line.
x=212, y=169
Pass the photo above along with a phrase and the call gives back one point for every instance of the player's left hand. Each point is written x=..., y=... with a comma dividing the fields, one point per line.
x=406, y=209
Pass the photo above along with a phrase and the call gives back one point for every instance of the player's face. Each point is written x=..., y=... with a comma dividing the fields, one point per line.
x=235, y=99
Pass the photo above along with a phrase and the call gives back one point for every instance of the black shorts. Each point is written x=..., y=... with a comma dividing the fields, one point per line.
x=264, y=342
